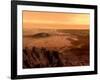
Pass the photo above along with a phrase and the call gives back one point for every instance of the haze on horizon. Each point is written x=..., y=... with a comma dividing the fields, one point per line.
x=55, y=20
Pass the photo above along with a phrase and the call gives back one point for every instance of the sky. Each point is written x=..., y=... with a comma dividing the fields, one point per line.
x=55, y=20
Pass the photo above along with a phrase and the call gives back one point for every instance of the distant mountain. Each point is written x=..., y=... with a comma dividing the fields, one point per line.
x=41, y=35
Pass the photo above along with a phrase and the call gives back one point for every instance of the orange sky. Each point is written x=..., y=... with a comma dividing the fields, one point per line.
x=52, y=20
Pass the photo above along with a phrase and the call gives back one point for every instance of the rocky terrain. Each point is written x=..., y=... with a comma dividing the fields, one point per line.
x=63, y=48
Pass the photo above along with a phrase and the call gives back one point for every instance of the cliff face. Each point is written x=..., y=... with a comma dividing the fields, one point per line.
x=41, y=57
x=37, y=57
